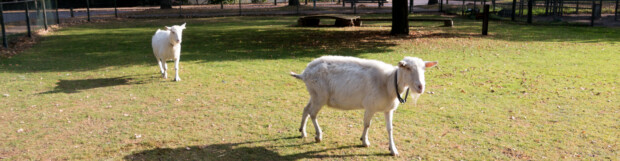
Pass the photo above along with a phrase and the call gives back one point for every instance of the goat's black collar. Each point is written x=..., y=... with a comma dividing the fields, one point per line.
x=396, y=88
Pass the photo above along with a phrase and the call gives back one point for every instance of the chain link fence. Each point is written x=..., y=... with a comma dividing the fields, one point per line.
x=45, y=13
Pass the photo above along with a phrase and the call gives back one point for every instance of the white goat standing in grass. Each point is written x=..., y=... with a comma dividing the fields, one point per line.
x=167, y=46
x=349, y=83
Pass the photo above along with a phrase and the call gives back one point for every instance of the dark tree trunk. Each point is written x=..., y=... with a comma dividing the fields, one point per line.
x=432, y=2
x=293, y=2
x=166, y=4
x=400, y=22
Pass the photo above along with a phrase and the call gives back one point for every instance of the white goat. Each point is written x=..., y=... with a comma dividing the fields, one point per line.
x=167, y=46
x=349, y=83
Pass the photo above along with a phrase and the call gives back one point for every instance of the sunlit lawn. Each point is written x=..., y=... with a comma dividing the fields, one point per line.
x=93, y=92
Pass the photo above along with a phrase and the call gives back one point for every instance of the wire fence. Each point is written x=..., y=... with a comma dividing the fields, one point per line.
x=44, y=13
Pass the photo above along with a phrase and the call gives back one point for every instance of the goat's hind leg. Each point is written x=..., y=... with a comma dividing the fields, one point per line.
x=315, y=107
x=161, y=68
x=367, y=119
x=304, y=120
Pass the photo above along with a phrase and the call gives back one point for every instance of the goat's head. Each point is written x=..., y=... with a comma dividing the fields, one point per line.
x=176, y=33
x=411, y=70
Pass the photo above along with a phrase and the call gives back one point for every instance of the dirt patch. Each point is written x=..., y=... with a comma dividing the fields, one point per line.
x=515, y=154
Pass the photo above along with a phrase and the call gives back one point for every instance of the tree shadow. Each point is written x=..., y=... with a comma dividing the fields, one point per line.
x=540, y=32
x=76, y=86
x=237, y=151
x=121, y=47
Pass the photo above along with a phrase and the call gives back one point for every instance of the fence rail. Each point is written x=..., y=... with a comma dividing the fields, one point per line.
x=25, y=16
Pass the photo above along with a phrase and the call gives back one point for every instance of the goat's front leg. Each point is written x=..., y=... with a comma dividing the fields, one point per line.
x=161, y=68
x=165, y=68
x=388, y=125
x=367, y=119
x=176, y=70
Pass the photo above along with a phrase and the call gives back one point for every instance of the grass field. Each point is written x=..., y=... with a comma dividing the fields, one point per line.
x=93, y=92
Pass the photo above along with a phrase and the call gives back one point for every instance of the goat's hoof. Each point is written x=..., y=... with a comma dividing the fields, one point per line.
x=366, y=145
x=317, y=139
x=394, y=153
x=303, y=135
x=177, y=79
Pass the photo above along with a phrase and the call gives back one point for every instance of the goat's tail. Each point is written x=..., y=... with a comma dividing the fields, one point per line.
x=297, y=76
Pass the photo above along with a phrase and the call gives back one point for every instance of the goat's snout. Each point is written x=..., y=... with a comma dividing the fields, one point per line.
x=419, y=88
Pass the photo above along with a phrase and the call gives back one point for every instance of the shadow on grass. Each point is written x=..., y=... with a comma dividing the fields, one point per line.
x=75, y=86
x=540, y=32
x=98, y=50
x=237, y=151
x=92, y=47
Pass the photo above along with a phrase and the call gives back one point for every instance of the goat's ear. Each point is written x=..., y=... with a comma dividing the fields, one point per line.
x=402, y=64
x=167, y=28
x=429, y=64
x=183, y=25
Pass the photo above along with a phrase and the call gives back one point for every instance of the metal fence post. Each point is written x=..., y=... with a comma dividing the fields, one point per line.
x=57, y=15
x=577, y=8
x=616, y=13
x=354, y=7
x=313, y=4
x=485, y=21
x=463, y=8
x=410, y=6
x=71, y=10
x=88, y=9
x=275, y=2
x=4, y=40
x=222, y=4
x=592, y=18
x=239, y=7
x=36, y=6
x=115, y=9
x=529, y=11
x=44, y=15
x=440, y=5
x=28, y=20
x=514, y=7
x=298, y=7
x=474, y=7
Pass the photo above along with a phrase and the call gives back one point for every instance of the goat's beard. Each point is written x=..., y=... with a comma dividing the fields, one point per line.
x=415, y=97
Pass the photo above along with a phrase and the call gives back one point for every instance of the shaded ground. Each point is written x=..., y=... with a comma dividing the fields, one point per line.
x=606, y=20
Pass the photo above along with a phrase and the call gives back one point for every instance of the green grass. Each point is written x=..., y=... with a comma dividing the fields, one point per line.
x=524, y=92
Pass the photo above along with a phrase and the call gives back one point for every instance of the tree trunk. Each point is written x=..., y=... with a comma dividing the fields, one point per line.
x=293, y=2
x=400, y=22
x=432, y=2
x=166, y=4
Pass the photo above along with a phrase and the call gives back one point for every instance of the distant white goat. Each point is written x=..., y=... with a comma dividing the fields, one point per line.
x=349, y=83
x=167, y=46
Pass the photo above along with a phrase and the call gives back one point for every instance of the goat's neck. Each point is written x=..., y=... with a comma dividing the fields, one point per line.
x=402, y=85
